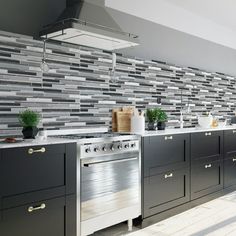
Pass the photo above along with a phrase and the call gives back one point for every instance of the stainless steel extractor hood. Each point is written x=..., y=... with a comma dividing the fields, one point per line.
x=87, y=22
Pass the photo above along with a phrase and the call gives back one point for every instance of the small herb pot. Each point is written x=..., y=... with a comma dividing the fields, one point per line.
x=161, y=125
x=152, y=126
x=29, y=132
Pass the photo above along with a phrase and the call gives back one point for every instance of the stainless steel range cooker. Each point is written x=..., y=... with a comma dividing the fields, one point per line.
x=110, y=184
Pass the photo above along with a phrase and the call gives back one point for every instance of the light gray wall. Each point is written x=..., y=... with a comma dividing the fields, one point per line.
x=157, y=42
x=160, y=42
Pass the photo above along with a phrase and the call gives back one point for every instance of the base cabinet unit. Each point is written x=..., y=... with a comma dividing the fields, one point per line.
x=206, y=178
x=38, y=191
x=185, y=170
x=206, y=163
x=165, y=191
x=166, y=172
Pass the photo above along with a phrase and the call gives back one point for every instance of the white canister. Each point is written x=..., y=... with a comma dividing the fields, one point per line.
x=137, y=124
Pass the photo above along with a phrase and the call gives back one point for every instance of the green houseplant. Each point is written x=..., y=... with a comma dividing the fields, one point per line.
x=152, y=118
x=161, y=119
x=29, y=120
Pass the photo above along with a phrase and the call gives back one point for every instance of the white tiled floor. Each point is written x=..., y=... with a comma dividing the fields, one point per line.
x=215, y=218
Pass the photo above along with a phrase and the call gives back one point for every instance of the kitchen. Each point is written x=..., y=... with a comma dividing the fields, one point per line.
x=77, y=177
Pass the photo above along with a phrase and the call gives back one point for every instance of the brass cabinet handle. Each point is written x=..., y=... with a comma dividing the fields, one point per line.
x=208, y=166
x=31, y=150
x=168, y=137
x=41, y=207
x=208, y=134
x=169, y=175
x=234, y=159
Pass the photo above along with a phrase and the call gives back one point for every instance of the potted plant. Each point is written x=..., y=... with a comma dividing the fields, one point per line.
x=152, y=118
x=161, y=119
x=29, y=120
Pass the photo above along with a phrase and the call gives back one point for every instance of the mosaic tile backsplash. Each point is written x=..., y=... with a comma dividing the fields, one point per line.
x=79, y=90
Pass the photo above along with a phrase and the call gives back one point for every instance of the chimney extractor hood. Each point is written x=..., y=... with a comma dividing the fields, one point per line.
x=87, y=22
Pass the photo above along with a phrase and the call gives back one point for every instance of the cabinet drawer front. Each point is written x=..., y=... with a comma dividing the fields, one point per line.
x=45, y=218
x=166, y=190
x=230, y=172
x=22, y=172
x=160, y=152
x=206, y=178
x=229, y=142
x=206, y=146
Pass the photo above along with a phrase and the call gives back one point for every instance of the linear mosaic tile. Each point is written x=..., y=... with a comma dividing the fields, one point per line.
x=78, y=90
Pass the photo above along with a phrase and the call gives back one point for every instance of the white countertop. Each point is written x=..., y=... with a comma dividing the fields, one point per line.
x=184, y=131
x=34, y=142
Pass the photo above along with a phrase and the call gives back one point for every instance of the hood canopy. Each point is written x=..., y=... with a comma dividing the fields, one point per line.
x=88, y=23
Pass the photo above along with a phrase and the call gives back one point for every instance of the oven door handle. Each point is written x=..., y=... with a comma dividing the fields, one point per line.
x=106, y=162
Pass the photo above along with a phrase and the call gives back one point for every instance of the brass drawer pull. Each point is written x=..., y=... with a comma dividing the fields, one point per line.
x=41, y=207
x=208, y=166
x=208, y=134
x=169, y=175
x=168, y=137
x=31, y=150
x=234, y=159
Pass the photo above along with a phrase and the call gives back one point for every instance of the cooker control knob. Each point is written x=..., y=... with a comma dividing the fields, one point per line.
x=119, y=146
x=126, y=146
x=133, y=145
x=104, y=149
x=96, y=149
x=87, y=150
x=112, y=148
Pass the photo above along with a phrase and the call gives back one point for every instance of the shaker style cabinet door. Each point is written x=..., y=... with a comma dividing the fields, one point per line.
x=36, y=173
x=45, y=218
x=165, y=191
x=161, y=152
x=206, y=178
x=206, y=146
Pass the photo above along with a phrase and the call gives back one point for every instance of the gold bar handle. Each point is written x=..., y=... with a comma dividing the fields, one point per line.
x=41, y=207
x=208, y=166
x=168, y=137
x=169, y=175
x=31, y=150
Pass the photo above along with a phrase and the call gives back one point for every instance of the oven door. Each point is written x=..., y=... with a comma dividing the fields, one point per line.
x=109, y=184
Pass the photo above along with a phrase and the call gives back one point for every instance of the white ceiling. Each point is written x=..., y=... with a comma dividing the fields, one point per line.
x=213, y=20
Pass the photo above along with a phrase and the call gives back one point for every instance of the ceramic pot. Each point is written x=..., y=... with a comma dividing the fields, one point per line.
x=161, y=125
x=29, y=132
x=152, y=126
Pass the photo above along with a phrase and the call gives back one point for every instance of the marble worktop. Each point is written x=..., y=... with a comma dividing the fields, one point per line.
x=185, y=130
x=35, y=142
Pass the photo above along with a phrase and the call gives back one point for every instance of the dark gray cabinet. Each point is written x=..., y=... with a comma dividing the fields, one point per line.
x=165, y=172
x=206, y=163
x=184, y=170
x=38, y=190
x=229, y=158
